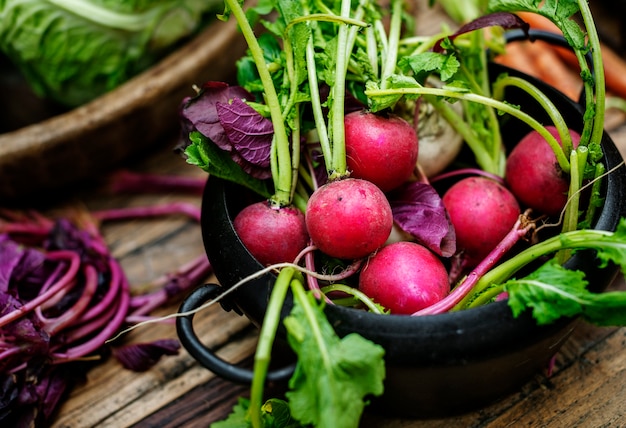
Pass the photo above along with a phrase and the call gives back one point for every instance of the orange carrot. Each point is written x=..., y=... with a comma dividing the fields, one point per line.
x=614, y=65
x=517, y=57
x=554, y=71
x=539, y=60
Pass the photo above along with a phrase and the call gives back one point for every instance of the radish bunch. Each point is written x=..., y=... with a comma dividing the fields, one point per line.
x=337, y=132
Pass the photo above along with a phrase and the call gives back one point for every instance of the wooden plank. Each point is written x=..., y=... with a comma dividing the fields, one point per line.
x=110, y=389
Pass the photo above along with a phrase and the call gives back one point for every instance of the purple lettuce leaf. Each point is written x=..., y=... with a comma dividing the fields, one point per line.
x=10, y=256
x=199, y=113
x=505, y=20
x=30, y=397
x=142, y=356
x=419, y=211
x=24, y=334
x=249, y=132
x=219, y=112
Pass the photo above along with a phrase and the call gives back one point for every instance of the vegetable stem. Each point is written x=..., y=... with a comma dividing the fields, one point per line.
x=499, y=105
x=391, y=58
x=267, y=335
x=575, y=239
x=566, y=146
x=338, y=164
x=459, y=295
x=281, y=169
x=598, y=103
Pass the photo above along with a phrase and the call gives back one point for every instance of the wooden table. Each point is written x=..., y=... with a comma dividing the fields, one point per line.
x=586, y=389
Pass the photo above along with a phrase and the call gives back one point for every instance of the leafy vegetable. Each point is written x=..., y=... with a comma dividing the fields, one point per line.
x=610, y=247
x=274, y=414
x=333, y=376
x=62, y=296
x=205, y=154
x=418, y=209
x=552, y=292
x=74, y=50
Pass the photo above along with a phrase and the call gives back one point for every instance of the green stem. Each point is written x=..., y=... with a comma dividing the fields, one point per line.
x=267, y=335
x=566, y=146
x=578, y=159
x=576, y=239
x=498, y=105
x=281, y=169
x=482, y=299
x=295, y=155
x=328, y=17
x=355, y=293
x=338, y=157
x=491, y=147
x=322, y=348
x=316, y=103
x=599, y=81
x=596, y=189
x=372, y=50
x=391, y=58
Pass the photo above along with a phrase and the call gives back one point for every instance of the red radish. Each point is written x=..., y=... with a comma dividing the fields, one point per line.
x=404, y=277
x=380, y=149
x=535, y=177
x=272, y=235
x=349, y=218
x=482, y=212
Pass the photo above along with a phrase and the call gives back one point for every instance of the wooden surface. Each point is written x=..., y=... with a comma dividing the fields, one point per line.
x=586, y=389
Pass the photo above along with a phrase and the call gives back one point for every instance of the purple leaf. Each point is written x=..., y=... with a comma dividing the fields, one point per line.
x=142, y=356
x=419, y=211
x=505, y=20
x=10, y=256
x=200, y=112
x=248, y=131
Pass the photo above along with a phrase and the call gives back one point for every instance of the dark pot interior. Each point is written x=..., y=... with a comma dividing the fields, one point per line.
x=436, y=365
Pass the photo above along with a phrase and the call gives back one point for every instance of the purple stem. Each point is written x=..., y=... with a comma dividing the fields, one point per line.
x=188, y=209
x=467, y=171
x=519, y=230
x=107, y=332
x=72, y=270
x=53, y=300
x=81, y=331
x=114, y=285
x=125, y=181
x=71, y=314
x=184, y=279
x=314, y=286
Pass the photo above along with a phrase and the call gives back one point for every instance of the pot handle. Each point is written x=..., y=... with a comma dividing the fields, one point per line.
x=552, y=38
x=205, y=356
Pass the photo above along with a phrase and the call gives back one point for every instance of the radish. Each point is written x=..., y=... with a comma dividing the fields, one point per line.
x=534, y=175
x=272, y=235
x=482, y=211
x=349, y=218
x=380, y=149
x=404, y=277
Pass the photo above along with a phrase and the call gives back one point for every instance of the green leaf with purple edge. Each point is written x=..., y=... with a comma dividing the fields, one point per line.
x=203, y=153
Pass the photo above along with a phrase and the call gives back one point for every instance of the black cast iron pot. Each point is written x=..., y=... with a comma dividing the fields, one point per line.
x=436, y=365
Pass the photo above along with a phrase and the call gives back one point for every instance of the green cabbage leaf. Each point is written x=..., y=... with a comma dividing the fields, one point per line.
x=72, y=51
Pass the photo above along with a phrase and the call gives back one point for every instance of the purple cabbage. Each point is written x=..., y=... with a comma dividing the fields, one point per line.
x=62, y=295
x=419, y=211
x=221, y=114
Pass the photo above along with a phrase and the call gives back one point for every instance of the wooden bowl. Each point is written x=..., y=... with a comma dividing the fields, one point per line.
x=39, y=160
